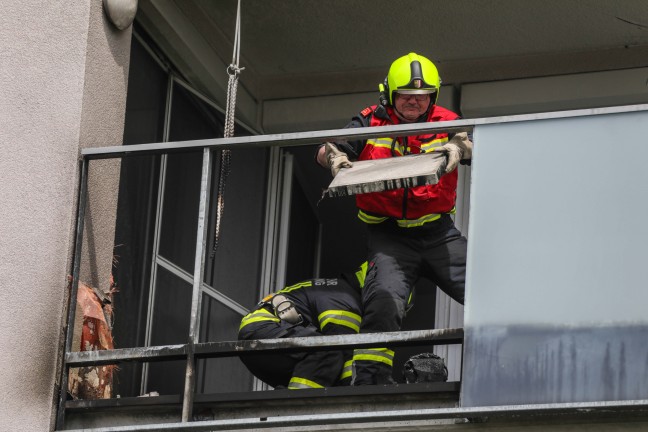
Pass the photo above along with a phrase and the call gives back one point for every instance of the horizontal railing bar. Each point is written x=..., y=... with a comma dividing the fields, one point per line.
x=236, y=348
x=620, y=409
x=152, y=353
x=314, y=137
x=281, y=140
x=275, y=398
x=332, y=342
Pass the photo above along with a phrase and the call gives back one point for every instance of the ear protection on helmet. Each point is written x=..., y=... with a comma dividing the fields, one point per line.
x=384, y=93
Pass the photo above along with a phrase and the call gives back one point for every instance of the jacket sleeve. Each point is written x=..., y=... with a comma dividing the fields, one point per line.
x=353, y=148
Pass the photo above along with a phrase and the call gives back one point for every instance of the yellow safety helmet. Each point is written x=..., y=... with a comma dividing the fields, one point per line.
x=410, y=74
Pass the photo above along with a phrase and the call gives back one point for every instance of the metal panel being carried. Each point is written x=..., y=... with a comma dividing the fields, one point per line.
x=556, y=281
x=377, y=175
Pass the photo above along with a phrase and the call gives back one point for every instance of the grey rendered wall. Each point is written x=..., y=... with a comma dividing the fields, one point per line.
x=62, y=87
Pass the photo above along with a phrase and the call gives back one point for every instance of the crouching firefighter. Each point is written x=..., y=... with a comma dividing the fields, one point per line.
x=314, y=307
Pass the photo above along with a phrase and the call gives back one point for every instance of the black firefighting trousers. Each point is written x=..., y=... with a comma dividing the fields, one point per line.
x=397, y=258
x=331, y=307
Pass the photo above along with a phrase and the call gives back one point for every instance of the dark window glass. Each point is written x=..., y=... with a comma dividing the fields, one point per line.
x=303, y=237
x=146, y=98
x=180, y=209
x=171, y=317
x=219, y=375
x=144, y=123
x=191, y=119
x=234, y=270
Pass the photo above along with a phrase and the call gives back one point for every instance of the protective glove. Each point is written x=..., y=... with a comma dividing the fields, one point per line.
x=285, y=309
x=336, y=159
x=458, y=148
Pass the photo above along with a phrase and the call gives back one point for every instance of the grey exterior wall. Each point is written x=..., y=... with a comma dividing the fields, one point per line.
x=62, y=87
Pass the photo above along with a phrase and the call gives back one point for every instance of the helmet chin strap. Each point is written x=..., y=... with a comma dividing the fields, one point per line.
x=427, y=111
x=400, y=116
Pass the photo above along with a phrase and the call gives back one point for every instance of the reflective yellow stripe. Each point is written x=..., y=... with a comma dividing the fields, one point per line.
x=384, y=351
x=386, y=143
x=434, y=143
x=380, y=355
x=296, y=287
x=256, y=316
x=380, y=142
x=361, y=274
x=403, y=223
x=342, y=322
x=302, y=383
x=340, y=317
x=347, y=370
x=411, y=223
x=367, y=218
x=374, y=358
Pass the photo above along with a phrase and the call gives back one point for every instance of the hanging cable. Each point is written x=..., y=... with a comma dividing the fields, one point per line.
x=234, y=71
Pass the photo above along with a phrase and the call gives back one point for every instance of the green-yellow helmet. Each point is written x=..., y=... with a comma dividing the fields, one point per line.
x=412, y=74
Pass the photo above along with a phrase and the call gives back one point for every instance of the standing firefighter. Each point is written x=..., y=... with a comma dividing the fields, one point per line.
x=314, y=307
x=410, y=231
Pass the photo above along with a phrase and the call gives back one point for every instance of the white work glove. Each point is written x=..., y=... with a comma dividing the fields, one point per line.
x=336, y=159
x=458, y=148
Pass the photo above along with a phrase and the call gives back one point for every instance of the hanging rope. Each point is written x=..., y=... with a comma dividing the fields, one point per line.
x=234, y=71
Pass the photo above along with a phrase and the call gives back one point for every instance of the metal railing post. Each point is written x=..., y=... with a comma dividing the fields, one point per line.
x=196, y=298
x=69, y=325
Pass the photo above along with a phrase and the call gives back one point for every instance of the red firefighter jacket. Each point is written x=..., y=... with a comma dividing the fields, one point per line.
x=409, y=206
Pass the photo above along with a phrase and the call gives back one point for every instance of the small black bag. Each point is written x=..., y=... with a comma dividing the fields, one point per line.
x=425, y=367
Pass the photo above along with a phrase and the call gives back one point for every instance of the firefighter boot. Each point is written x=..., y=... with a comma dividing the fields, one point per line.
x=371, y=373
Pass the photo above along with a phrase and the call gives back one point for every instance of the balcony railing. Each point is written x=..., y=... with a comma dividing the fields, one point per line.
x=193, y=349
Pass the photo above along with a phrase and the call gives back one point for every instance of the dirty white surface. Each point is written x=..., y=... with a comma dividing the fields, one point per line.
x=391, y=173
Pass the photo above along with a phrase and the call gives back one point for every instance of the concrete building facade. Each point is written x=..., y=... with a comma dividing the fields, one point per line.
x=64, y=78
x=64, y=86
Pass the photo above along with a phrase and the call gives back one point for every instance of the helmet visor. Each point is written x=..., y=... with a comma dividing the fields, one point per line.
x=415, y=91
